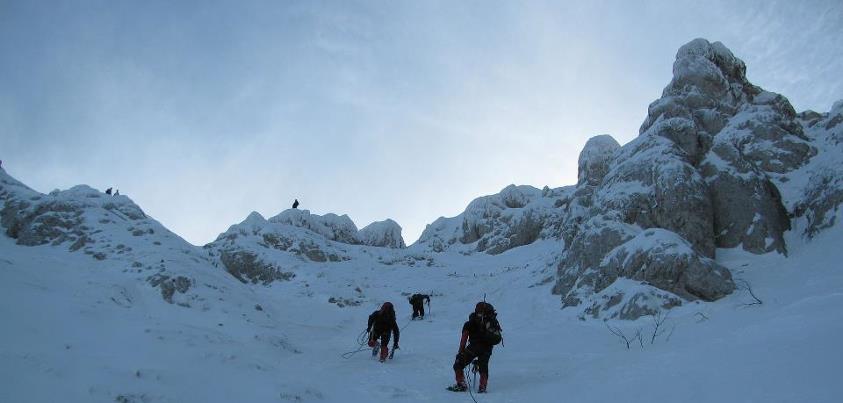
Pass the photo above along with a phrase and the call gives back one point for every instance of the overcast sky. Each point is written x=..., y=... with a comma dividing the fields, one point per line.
x=204, y=111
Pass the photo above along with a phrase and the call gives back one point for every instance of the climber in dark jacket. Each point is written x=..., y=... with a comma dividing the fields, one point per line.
x=482, y=332
x=417, y=301
x=381, y=324
x=296, y=203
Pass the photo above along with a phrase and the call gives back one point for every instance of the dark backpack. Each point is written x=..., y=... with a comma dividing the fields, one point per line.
x=491, y=327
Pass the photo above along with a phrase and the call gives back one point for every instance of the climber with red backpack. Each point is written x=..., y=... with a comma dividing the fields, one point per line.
x=482, y=332
x=381, y=325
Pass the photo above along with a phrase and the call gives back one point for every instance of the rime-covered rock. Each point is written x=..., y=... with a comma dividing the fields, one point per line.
x=385, y=233
x=595, y=158
x=627, y=299
x=651, y=184
x=666, y=261
x=248, y=267
x=279, y=241
x=331, y=226
x=517, y=216
x=737, y=135
x=706, y=168
x=817, y=200
x=109, y=229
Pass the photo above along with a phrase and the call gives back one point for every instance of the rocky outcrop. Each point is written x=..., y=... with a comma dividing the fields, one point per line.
x=704, y=173
x=331, y=226
x=627, y=299
x=247, y=267
x=817, y=202
x=595, y=158
x=664, y=260
x=737, y=135
x=170, y=285
x=385, y=233
x=82, y=218
x=517, y=216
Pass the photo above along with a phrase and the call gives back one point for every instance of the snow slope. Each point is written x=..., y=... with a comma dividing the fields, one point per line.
x=92, y=334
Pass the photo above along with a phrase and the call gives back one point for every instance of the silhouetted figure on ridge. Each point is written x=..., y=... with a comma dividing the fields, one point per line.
x=296, y=203
x=108, y=191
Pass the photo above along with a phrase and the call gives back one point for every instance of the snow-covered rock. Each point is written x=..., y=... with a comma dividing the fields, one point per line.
x=595, y=158
x=627, y=299
x=706, y=167
x=331, y=226
x=262, y=247
x=382, y=233
x=517, y=216
x=737, y=135
x=665, y=260
x=110, y=229
x=817, y=200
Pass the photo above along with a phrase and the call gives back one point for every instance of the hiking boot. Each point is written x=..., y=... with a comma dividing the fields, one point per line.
x=459, y=387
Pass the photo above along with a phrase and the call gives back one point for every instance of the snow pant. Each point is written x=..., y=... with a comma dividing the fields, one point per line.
x=418, y=310
x=466, y=357
x=373, y=341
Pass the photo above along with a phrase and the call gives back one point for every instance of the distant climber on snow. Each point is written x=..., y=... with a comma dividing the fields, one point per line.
x=381, y=324
x=482, y=332
x=108, y=191
x=296, y=203
x=417, y=301
x=117, y=192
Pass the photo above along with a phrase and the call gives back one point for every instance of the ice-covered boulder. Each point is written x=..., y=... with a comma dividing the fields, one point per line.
x=331, y=226
x=385, y=233
x=517, y=216
x=595, y=158
x=627, y=299
x=665, y=260
x=577, y=276
x=250, y=245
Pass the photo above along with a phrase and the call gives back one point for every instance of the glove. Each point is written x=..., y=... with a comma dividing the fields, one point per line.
x=395, y=347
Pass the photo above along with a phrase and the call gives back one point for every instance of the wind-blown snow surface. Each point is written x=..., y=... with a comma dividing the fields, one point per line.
x=80, y=330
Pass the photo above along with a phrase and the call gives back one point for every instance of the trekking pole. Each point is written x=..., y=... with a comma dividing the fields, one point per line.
x=392, y=353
